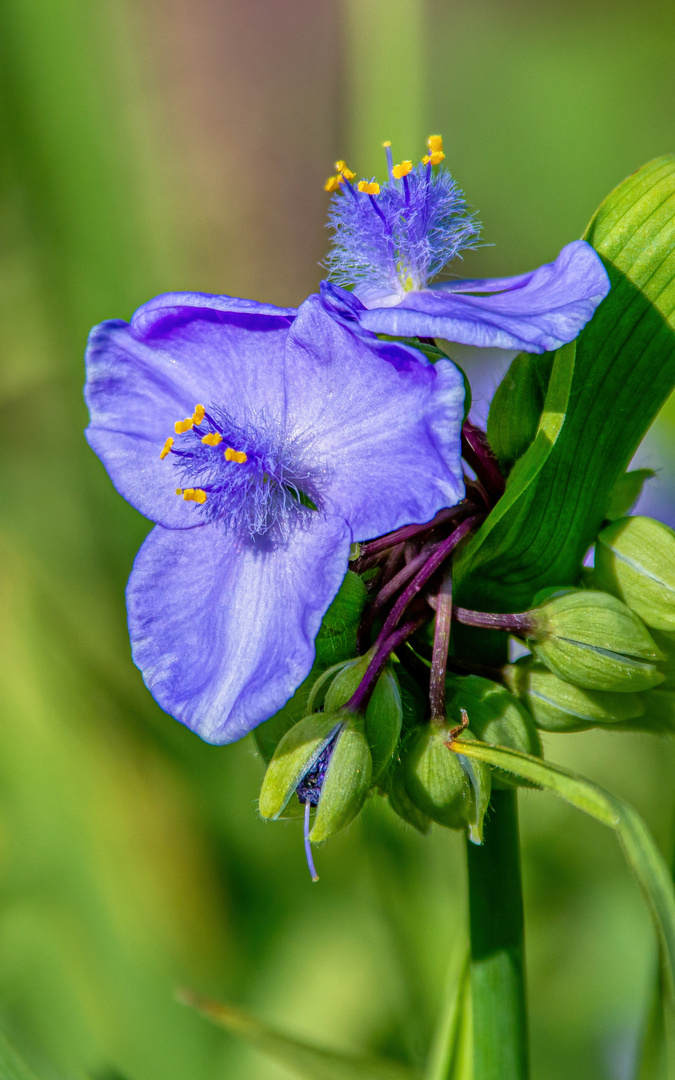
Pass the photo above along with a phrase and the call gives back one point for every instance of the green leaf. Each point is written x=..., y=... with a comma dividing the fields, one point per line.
x=605, y=390
x=638, y=846
x=451, y=1046
x=12, y=1067
x=304, y=1060
x=517, y=406
x=626, y=492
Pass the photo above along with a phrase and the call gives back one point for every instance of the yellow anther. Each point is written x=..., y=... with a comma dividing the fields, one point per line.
x=192, y=495
x=342, y=169
x=399, y=171
x=435, y=144
x=368, y=189
x=332, y=183
x=198, y=414
x=199, y=496
x=179, y=491
x=165, y=449
x=436, y=158
x=212, y=439
x=181, y=426
x=235, y=455
x=386, y=143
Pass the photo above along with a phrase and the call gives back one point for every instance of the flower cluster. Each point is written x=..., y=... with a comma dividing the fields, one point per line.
x=265, y=442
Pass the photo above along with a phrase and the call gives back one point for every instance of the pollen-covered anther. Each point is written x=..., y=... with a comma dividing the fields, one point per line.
x=166, y=448
x=212, y=439
x=333, y=183
x=192, y=494
x=181, y=426
x=399, y=171
x=198, y=414
x=368, y=189
x=240, y=456
x=435, y=144
x=342, y=169
x=434, y=159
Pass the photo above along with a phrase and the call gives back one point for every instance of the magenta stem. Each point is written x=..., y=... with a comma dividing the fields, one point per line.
x=436, y=559
x=477, y=453
x=408, y=531
x=361, y=696
x=520, y=622
x=399, y=580
x=439, y=656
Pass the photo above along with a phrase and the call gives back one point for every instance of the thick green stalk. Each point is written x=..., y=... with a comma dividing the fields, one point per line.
x=497, y=950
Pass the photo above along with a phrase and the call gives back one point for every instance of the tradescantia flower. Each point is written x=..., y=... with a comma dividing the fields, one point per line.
x=262, y=441
x=391, y=240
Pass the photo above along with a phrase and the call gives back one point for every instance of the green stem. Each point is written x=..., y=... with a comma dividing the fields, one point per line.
x=497, y=949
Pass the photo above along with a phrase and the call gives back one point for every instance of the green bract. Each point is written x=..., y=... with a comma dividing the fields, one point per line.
x=347, y=781
x=635, y=560
x=595, y=641
x=295, y=755
x=557, y=705
x=495, y=716
x=383, y=714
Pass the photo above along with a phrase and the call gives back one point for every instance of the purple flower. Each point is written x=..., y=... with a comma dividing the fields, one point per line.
x=389, y=241
x=262, y=442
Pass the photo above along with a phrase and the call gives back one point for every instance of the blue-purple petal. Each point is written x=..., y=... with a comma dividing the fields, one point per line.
x=143, y=376
x=223, y=632
x=386, y=435
x=535, y=312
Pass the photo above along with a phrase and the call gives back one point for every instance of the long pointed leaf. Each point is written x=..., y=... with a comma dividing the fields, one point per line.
x=447, y=1058
x=639, y=848
x=622, y=372
x=305, y=1060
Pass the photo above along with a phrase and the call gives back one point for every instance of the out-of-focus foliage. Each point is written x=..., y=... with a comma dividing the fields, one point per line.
x=148, y=147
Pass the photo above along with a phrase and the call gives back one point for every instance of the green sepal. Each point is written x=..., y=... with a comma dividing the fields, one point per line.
x=346, y=783
x=517, y=406
x=626, y=492
x=435, y=780
x=481, y=778
x=635, y=560
x=295, y=755
x=401, y=803
x=559, y=706
x=495, y=716
x=593, y=640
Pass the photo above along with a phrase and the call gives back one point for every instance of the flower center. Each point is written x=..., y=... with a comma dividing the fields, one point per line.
x=394, y=238
x=248, y=477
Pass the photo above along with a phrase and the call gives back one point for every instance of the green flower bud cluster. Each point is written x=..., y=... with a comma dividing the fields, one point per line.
x=605, y=656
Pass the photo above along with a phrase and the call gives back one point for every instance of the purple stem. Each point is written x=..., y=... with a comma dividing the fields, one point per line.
x=398, y=581
x=408, y=531
x=361, y=695
x=520, y=622
x=439, y=657
x=477, y=453
x=437, y=557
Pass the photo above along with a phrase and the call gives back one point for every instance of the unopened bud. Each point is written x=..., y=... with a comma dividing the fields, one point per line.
x=441, y=785
x=401, y=803
x=559, y=706
x=346, y=782
x=635, y=560
x=595, y=641
x=296, y=755
x=496, y=717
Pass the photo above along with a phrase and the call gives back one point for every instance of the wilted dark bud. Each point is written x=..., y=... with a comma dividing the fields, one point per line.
x=635, y=560
x=559, y=706
x=595, y=641
x=384, y=712
x=323, y=760
x=449, y=789
x=496, y=717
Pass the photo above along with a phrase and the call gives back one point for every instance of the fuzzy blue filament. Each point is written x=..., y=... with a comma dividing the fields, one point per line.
x=248, y=477
x=398, y=236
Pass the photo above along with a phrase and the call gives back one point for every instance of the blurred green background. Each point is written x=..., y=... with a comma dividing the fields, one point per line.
x=147, y=147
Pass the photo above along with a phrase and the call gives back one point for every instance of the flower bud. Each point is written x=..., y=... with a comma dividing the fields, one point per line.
x=401, y=803
x=324, y=760
x=346, y=782
x=659, y=717
x=384, y=712
x=496, y=717
x=635, y=560
x=595, y=641
x=442, y=784
x=558, y=706
x=296, y=755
